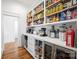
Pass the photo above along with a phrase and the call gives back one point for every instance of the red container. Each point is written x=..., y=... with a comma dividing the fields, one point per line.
x=70, y=37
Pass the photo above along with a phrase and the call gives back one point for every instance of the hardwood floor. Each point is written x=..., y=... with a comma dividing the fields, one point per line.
x=12, y=52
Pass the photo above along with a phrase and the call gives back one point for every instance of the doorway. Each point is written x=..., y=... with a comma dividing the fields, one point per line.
x=10, y=28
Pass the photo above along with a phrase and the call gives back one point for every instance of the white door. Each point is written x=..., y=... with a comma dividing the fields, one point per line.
x=10, y=28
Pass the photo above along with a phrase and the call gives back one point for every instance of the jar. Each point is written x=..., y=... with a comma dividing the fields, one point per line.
x=53, y=9
x=57, y=8
x=54, y=18
x=61, y=6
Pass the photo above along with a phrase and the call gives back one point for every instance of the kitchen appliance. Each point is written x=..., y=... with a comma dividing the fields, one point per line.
x=30, y=30
x=42, y=32
x=64, y=53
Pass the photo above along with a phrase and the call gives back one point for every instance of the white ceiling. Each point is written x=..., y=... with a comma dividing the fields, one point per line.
x=30, y=3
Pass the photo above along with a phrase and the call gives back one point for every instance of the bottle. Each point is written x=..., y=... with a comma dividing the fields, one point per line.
x=60, y=6
x=52, y=32
x=68, y=15
x=54, y=18
x=70, y=36
x=57, y=32
x=74, y=14
x=62, y=32
x=62, y=16
x=53, y=9
x=57, y=8
x=49, y=2
x=57, y=18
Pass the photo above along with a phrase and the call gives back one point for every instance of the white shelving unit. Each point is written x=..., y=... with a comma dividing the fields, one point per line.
x=55, y=41
x=44, y=9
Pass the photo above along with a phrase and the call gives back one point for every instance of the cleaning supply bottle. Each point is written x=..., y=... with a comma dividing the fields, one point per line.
x=70, y=36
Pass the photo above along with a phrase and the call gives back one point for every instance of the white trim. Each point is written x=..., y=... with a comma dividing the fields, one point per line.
x=10, y=13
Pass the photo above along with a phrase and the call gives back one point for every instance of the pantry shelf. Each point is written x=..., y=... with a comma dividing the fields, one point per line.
x=39, y=19
x=39, y=12
x=60, y=22
x=52, y=4
x=61, y=10
x=30, y=17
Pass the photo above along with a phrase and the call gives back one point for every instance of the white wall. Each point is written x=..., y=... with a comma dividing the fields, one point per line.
x=16, y=9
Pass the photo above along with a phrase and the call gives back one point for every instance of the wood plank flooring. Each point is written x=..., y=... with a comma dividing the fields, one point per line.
x=13, y=52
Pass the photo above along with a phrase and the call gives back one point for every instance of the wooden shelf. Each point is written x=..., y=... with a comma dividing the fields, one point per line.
x=62, y=10
x=39, y=12
x=30, y=17
x=52, y=4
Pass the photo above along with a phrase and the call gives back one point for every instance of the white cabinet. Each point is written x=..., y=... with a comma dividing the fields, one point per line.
x=36, y=42
x=31, y=45
x=38, y=49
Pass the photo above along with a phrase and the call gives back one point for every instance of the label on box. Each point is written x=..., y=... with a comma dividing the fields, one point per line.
x=69, y=40
x=52, y=35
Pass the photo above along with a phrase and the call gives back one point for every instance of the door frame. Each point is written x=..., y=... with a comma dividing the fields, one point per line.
x=7, y=13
